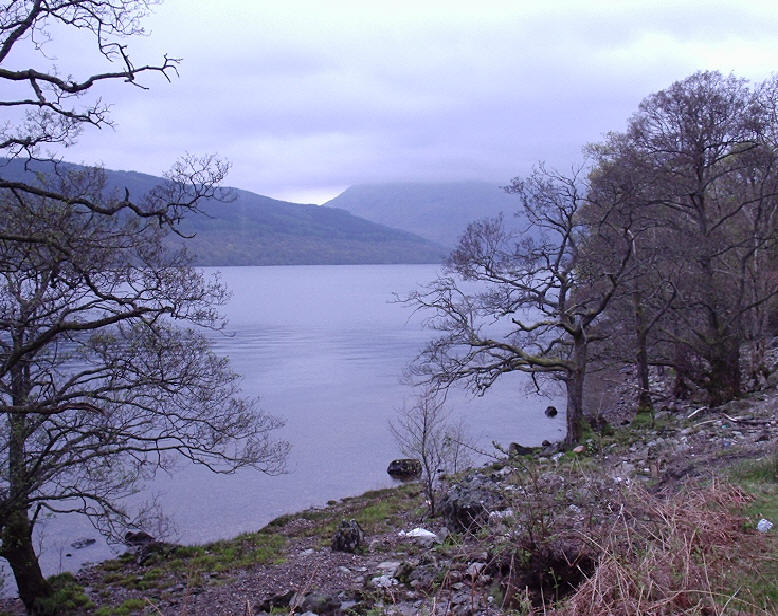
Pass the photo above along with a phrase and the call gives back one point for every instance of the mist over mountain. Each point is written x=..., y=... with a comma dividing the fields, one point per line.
x=439, y=212
x=254, y=229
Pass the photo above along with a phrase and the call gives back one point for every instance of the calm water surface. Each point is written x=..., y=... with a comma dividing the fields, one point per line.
x=324, y=347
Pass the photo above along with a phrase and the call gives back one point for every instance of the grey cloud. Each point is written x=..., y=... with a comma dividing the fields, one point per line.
x=300, y=95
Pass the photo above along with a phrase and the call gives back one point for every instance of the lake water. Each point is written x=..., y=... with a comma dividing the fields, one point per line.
x=325, y=348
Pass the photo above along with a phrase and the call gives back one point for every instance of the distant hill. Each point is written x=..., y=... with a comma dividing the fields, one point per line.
x=258, y=230
x=438, y=212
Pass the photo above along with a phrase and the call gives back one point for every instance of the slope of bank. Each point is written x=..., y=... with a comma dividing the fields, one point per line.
x=642, y=518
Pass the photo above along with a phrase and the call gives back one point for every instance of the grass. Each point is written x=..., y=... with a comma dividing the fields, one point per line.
x=128, y=607
x=197, y=564
x=760, y=479
x=688, y=554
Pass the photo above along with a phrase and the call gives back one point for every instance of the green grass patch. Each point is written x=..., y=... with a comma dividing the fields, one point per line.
x=760, y=583
x=127, y=608
x=192, y=562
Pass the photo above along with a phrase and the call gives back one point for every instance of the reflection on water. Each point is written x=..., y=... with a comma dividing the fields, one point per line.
x=324, y=347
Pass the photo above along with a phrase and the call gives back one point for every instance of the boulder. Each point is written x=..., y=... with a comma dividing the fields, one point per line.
x=421, y=536
x=465, y=506
x=515, y=450
x=137, y=539
x=276, y=602
x=551, y=411
x=349, y=537
x=405, y=468
x=321, y=604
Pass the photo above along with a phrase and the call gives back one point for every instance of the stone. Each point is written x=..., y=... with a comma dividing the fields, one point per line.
x=579, y=449
x=389, y=567
x=383, y=582
x=421, y=536
x=321, y=604
x=551, y=411
x=83, y=542
x=349, y=537
x=501, y=515
x=549, y=449
x=404, y=468
x=137, y=539
x=515, y=450
x=281, y=600
x=465, y=506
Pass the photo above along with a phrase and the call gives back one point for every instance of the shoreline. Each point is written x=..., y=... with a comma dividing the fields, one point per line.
x=293, y=553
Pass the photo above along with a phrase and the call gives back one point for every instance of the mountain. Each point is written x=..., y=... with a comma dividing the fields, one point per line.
x=257, y=230
x=438, y=212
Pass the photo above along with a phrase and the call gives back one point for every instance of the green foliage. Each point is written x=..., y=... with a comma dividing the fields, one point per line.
x=128, y=607
x=68, y=596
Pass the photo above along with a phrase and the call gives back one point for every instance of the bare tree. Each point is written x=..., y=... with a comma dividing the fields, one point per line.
x=48, y=109
x=517, y=302
x=425, y=432
x=100, y=385
x=105, y=374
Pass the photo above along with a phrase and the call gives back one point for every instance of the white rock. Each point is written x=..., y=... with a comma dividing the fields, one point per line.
x=501, y=515
x=419, y=532
x=764, y=525
x=384, y=581
x=475, y=569
x=421, y=536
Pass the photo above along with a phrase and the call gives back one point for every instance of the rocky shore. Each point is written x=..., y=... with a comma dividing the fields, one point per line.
x=529, y=532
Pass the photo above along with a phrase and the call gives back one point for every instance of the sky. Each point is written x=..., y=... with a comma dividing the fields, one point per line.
x=306, y=98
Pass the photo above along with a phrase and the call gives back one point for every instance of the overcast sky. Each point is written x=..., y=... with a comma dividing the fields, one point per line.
x=307, y=98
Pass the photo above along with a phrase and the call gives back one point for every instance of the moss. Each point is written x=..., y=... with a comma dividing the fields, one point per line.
x=67, y=596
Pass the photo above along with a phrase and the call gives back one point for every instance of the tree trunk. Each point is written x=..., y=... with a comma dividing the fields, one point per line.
x=681, y=366
x=645, y=404
x=574, y=384
x=724, y=380
x=19, y=552
x=17, y=546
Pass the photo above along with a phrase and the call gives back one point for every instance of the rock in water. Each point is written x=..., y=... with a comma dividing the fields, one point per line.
x=405, y=468
x=82, y=543
x=349, y=537
x=551, y=411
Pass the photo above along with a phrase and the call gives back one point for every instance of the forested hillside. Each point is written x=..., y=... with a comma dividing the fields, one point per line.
x=251, y=229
